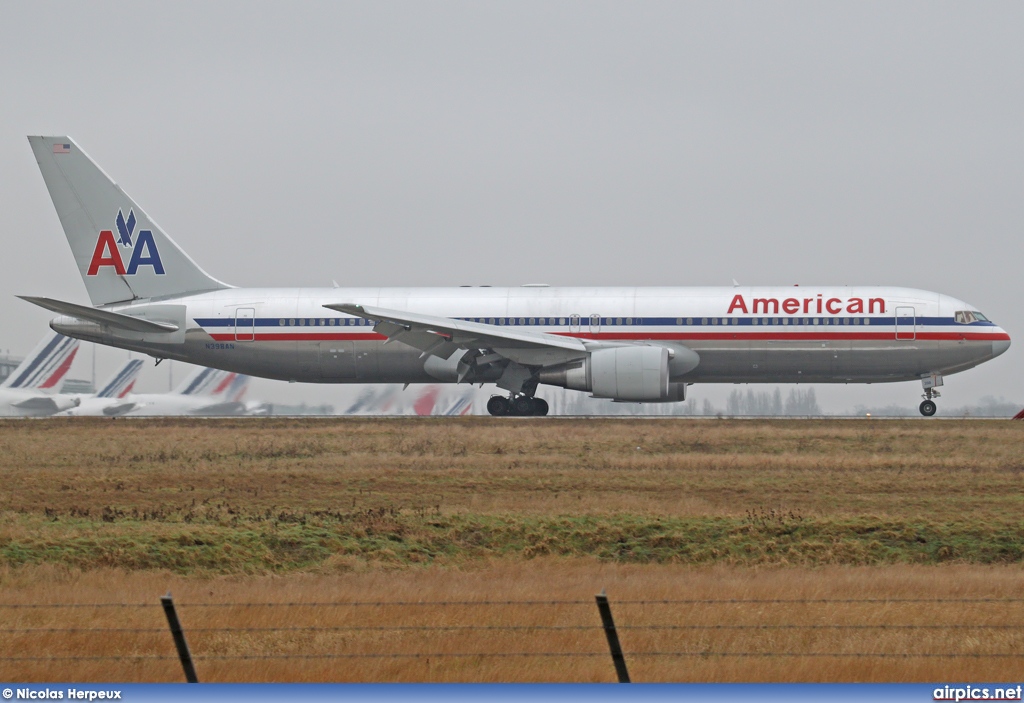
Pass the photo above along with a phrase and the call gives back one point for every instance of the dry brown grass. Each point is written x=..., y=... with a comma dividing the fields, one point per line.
x=539, y=580
x=72, y=485
x=942, y=470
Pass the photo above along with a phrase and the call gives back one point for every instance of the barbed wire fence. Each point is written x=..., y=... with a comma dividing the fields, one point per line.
x=19, y=652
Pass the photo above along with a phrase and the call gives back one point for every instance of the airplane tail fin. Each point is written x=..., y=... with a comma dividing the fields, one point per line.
x=121, y=253
x=202, y=381
x=121, y=383
x=424, y=405
x=234, y=387
x=47, y=365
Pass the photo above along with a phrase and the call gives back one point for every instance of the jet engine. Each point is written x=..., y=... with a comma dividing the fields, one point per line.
x=633, y=373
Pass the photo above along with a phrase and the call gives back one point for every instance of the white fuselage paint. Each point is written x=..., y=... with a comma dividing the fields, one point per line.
x=776, y=334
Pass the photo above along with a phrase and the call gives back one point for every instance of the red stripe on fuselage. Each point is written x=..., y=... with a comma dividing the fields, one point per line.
x=664, y=336
x=790, y=336
x=302, y=337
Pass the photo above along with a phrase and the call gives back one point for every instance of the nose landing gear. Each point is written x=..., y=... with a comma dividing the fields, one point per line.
x=929, y=383
x=519, y=405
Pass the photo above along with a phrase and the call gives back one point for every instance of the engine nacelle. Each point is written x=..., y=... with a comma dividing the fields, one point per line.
x=449, y=370
x=637, y=373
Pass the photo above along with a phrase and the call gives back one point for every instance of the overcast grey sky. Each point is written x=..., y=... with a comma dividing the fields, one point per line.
x=437, y=143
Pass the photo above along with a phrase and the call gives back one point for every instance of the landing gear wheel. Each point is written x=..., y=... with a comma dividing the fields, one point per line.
x=523, y=405
x=497, y=406
x=928, y=408
x=540, y=407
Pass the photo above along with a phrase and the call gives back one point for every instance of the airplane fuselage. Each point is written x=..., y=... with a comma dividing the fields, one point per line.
x=741, y=334
x=623, y=344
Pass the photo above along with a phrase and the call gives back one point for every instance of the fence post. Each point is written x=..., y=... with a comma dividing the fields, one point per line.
x=179, y=638
x=613, y=637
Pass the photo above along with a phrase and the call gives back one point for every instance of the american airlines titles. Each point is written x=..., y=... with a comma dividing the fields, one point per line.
x=818, y=305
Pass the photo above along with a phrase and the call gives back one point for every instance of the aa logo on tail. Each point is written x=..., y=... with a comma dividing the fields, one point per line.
x=143, y=249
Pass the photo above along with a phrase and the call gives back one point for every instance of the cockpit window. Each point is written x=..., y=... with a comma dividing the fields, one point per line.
x=965, y=317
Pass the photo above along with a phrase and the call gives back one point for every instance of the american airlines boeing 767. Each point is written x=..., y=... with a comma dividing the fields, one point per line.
x=641, y=345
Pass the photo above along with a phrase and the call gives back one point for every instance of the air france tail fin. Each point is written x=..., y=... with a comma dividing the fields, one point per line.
x=235, y=389
x=202, y=381
x=121, y=253
x=121, y=383
x=47, y=365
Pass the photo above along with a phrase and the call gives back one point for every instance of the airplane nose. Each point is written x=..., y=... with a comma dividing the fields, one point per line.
x=999, y=346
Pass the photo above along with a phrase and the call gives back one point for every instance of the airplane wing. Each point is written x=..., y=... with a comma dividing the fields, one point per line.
x=45, y=404
x=226, y=408
x=119, y=409
x=441, y=336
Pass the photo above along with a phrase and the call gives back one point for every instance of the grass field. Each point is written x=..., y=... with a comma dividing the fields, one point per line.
x=478, y=509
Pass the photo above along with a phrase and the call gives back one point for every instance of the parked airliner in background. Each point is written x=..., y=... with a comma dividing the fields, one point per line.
x=205, y=391
x=111, y=395
x=33, y=389
x=624, y=344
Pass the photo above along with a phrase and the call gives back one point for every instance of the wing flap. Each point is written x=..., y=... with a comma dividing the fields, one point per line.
x=438, y=336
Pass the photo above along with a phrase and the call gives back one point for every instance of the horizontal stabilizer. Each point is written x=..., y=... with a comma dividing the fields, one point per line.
x=103, y=317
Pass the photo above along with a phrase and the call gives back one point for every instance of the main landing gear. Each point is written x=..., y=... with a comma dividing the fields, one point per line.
x=519, y=405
